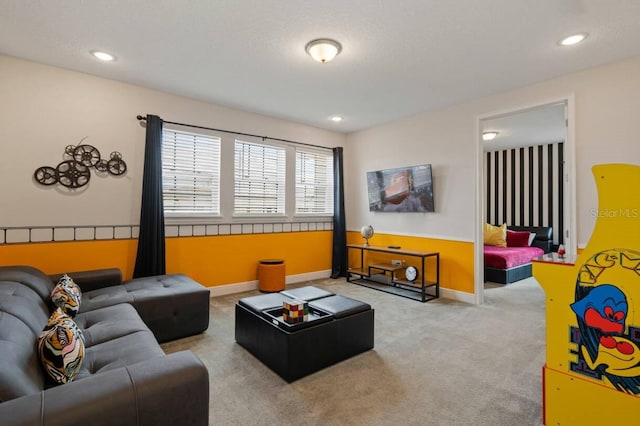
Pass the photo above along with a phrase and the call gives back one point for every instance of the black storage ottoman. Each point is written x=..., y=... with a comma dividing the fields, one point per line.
x=338, y=328
x=307, y=293
x=354, y=324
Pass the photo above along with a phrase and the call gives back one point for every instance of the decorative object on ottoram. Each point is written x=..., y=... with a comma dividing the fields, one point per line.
x=74, y=171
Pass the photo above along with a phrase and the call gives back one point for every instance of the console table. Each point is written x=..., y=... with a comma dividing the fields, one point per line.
x=374, y=275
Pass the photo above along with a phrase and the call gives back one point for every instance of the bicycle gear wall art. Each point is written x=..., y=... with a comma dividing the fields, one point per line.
x=74, y=171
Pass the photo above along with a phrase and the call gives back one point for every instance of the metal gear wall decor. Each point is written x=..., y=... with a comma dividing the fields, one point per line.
x=74, y=171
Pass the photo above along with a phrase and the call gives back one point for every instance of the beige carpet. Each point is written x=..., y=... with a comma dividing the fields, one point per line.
x=435, y=363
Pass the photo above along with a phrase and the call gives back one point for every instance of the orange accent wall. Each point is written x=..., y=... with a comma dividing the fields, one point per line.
x=71, y=256
x=212, y=261
x=230, y=259
x=456, y=257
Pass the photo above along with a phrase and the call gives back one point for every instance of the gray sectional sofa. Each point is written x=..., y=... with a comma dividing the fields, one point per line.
x=125, y=377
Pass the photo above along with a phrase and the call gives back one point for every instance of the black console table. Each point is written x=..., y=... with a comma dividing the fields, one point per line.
x=374, y=275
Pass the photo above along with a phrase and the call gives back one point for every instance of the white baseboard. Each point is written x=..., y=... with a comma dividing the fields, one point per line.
x=223, y=290
x=460, y=296
x=317, y=275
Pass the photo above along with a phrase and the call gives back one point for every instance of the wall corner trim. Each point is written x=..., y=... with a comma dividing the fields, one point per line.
x=460, y=296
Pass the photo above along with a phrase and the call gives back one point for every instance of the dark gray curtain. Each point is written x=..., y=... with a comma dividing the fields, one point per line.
x=150, y=259
x=339, y=258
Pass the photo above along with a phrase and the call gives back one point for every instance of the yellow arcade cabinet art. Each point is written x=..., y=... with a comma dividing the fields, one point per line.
x=592, y=371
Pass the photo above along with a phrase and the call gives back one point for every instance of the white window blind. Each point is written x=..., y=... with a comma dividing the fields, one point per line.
x=314, y=183
x=190, y=173
x=259, y=186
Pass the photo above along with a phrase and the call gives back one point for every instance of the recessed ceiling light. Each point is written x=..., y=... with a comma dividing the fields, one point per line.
x=103, y=56
x=336, y=118
x=489, y=136
x=573, y=39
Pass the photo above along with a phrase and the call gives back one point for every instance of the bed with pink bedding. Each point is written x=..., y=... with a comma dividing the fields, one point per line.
x=509, y=257
x=506, y=265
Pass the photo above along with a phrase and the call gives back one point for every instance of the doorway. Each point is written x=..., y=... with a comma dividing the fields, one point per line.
x=525, y=174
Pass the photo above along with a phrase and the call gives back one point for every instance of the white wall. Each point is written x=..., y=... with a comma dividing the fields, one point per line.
x=607, y=130
x=43, y=109
x=436, y=138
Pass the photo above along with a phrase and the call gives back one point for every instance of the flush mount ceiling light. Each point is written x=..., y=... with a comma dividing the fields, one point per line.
x=489, y=136
x=336, y=118
x=323, y=49
x=573, y=39
x=103, y=56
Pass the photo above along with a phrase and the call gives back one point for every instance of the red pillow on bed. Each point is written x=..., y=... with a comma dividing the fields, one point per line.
x=517, y=239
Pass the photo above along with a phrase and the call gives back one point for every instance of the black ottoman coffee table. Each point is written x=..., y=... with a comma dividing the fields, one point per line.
x=338, y=328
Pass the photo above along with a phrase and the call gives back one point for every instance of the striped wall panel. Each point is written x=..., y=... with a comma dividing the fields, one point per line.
x=524, y=187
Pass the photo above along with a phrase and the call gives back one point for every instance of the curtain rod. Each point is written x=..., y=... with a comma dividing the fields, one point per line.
x=140, y=117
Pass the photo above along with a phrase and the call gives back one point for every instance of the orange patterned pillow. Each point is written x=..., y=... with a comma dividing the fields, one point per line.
x=66, y=295
x=61, y=348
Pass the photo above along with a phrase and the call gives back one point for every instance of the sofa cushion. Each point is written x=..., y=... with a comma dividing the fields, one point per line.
x=93, y=279
x=23, y=312
x=61, y=349
x=172, y=284
x=172, y=306
x=120, y=352
x=20, y=371
x=101, y=325
x=67, y=296
x=103, y=297
x=25, y=304
x=30, y=277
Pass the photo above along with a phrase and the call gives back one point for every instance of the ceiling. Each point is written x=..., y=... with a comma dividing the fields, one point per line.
x=399, y=57
x=536, y=126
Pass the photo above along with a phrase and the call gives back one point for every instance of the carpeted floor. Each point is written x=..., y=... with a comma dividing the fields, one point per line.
x=436, y=363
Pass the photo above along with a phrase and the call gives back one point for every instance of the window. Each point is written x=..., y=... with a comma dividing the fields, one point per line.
x=314, y=183
x=190, y=173
x=259, y=185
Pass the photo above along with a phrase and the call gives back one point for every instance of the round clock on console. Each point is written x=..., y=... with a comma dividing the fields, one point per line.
x=411, y=273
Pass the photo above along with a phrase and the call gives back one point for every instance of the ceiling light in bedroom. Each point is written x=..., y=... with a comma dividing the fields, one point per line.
x=573, y=39
x=489, y=136
x=103, y=56
x=336, y=118
x=323, y=49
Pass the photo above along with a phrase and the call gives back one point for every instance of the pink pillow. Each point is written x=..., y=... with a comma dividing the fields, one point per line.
x=517, y=239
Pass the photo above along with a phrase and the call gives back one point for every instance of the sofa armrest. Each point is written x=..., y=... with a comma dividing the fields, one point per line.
x=162, y=391
x=94, y=279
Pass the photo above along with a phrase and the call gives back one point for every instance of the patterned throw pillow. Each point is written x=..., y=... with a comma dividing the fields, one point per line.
x=59, y=316
x=67, y=295
x=61, y=348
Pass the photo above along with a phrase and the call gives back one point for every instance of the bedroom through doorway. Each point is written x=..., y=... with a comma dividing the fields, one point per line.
x=524, y=182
